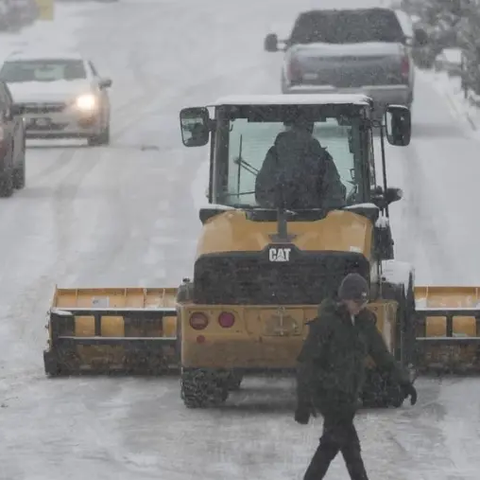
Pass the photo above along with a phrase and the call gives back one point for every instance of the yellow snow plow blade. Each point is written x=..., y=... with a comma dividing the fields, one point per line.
x=102, y=330
x=448, y=328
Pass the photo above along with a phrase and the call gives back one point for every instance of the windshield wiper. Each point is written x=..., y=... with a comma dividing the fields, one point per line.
x=247, y=166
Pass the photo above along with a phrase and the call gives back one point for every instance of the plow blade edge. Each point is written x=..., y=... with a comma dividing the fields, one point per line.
x=448, y=329
x=125, y=330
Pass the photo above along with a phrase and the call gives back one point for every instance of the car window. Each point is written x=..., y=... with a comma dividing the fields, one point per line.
x=347, y=26
x=18, y=71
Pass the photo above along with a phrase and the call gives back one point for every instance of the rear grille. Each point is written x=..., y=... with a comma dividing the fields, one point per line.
x=34, y=108
x=246, y=278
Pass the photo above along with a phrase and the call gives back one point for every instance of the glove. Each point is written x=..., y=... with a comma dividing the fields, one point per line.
x=303, y=413
x=410, y=391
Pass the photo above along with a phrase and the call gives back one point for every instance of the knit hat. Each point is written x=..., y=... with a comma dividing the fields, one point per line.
x=354, y=287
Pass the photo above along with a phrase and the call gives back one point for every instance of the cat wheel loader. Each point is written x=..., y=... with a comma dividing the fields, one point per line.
x=261, y=270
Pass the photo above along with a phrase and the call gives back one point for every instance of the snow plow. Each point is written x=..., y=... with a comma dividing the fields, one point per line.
x=447, y=329
x=261, y=268
x=112, y=329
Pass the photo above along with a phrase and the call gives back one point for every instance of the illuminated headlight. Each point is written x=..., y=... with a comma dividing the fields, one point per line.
x=86, y=102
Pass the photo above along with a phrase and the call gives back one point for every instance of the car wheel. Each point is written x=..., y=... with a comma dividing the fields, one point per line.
x=19, y=173
x=6, y=184
x=102, y=139
x=6, y=178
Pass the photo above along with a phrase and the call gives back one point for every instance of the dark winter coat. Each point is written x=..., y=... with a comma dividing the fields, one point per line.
x=331, y=369
x=298, y=173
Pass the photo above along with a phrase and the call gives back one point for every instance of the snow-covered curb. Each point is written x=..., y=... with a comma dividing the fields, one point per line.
x=450, y=89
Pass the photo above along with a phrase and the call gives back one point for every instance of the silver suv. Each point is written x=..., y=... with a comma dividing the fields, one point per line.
x=362, y=50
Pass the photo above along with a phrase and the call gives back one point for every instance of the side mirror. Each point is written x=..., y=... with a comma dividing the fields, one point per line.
x=270, y=43
x=194, y=124
x=105, y=83
x=420, y=37
x=393, y=195
x=398, y=122
x=381, y=199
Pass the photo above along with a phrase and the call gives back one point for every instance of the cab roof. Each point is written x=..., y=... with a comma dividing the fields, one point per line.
x=350, y=8
x=295, y=99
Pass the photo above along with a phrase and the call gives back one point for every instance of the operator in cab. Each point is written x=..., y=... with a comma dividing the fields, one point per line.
x=298, y=173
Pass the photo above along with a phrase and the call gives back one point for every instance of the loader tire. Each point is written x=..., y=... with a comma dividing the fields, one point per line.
x=202, y=388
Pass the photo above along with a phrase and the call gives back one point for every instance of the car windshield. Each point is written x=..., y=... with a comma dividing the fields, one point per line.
x=246, y=138
x=41, y=70
x=347, y=26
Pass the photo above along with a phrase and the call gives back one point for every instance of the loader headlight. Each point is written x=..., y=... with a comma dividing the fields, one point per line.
x=86, y=103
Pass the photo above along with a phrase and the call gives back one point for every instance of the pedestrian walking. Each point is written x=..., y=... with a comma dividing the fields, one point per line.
x=331, y=374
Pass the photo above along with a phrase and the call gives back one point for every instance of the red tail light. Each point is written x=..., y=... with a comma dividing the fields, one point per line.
x=294, y=71
x=226, y=319
x=405, y=67
x=198, y=321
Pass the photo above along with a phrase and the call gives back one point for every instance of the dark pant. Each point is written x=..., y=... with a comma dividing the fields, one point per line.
x=339, y=435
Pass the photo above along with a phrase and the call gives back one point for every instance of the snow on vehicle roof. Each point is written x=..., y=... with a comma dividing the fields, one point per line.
x=295, y=99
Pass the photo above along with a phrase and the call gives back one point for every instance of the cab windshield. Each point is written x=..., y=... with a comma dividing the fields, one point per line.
x=42, y=70
x=245, y=135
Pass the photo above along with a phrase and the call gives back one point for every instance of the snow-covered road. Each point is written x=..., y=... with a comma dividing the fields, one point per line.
x=125, y=215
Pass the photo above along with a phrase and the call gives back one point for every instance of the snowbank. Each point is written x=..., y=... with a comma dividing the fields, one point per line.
x=450, y=88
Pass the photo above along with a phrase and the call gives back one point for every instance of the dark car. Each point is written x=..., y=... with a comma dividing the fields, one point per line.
x=7, y=15
x=12, y=144
x=15, y=14
x=25, y=11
